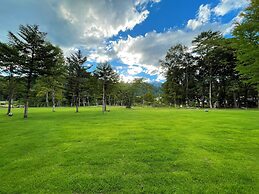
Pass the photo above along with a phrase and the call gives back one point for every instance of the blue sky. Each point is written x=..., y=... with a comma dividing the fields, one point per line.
x=131, y=34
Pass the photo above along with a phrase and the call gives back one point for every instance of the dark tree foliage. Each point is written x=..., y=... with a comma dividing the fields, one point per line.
x=207, y=76
x=77, y=74
x=9, y=66
x=207, y=48
x=34, y=51
x=178, y=67
x=108, y=76
x=247, y=45
x=53, y=82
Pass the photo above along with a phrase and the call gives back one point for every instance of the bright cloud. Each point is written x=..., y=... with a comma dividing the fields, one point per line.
x=101, y=28
x=148, y=49
x=234, y=21
x=86, y=23
x=203, y=17
x=94, y=21
x=134, y=70
x=226, y=6
x=128, y=78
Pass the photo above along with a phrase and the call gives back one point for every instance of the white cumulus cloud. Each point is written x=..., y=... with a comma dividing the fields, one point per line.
x=203, y=16
x=226, y=6
x=92, y=22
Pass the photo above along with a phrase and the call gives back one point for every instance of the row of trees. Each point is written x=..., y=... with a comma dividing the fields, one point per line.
x=34, y=70
x=216, y=72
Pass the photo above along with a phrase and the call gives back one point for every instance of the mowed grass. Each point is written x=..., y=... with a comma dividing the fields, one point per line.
x=142, y=150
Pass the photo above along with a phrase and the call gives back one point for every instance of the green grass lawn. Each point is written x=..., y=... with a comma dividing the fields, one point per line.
x=148, y=150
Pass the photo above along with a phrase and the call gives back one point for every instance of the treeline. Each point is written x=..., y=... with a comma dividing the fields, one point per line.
x=215, y=71
x=34, y=72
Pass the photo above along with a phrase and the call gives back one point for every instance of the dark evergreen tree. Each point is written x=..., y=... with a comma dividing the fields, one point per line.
x=33, y=53
x=9, y=66
x=108, y=76
x=77, y=73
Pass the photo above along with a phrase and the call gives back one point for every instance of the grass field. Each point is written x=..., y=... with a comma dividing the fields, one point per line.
x=144, y=150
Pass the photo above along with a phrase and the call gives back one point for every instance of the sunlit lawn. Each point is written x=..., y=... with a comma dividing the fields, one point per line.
x=149, y=150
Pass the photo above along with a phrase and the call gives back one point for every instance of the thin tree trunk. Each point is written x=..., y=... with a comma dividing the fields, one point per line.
x=187, y=89
x=235, y=100
x=29, y=80
x=26, y=103
x=175, y=100
x=104, y=98
x=84, y=102
x=77, y=108
x=10, y=96
x=9, y=105
x=53, y=101
x=210, y=94
x=114, y=101
x=258, y=99
x=11, y=90
x=109, y=100
x=79, y=100
x=76, y=102
x=47, y=99
x=238, y=100
x=88, y=102
x=246, y=96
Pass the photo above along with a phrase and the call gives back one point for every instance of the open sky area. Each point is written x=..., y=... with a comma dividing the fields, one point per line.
x=131, y=34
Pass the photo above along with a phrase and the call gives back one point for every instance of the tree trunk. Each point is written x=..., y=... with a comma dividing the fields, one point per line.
x=246, y=96
x=175, y=104
x=76, y=102
x=88, y=102
x=26, y=103
x=109, y=100
x=53, y=101
x=77, y=107
x=258, y=99
x=10, y=90
x=235, y=100
x=9, y=105
x=84, y=102
x=104, y=98
x=79, y=100
x=10, y=96
x=210, y=94
x=187, y=90
x=114, y=101
x=47, y=99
